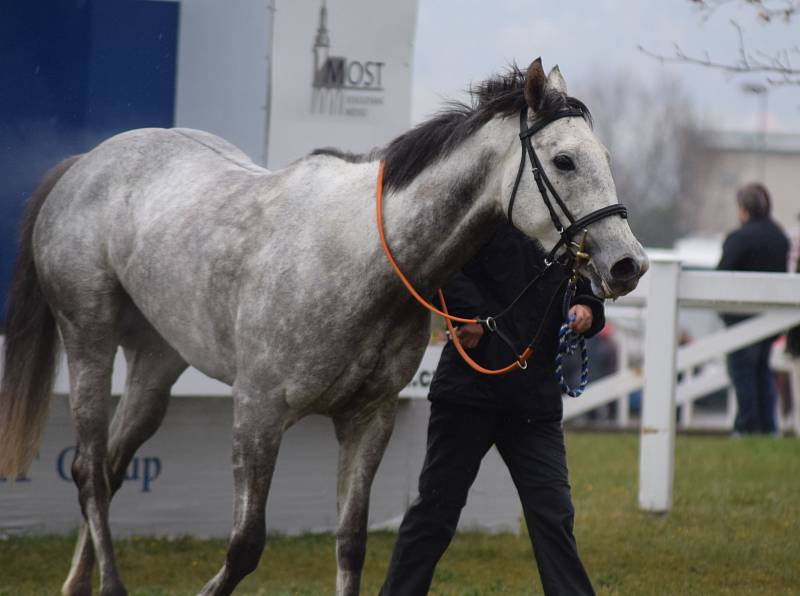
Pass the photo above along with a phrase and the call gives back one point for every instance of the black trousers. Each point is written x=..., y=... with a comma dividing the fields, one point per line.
x=458, y=438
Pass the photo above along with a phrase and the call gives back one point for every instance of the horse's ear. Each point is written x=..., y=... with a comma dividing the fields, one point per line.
x=534, y=84
x=555, y=81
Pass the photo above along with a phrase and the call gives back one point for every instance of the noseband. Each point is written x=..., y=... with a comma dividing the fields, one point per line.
x=575, y=226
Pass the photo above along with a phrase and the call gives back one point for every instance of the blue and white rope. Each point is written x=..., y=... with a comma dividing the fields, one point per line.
x=568, y=343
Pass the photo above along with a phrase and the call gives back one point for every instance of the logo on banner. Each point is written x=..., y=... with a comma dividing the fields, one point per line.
x=342, y=86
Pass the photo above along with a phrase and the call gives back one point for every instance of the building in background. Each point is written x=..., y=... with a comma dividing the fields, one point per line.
x=731, y=160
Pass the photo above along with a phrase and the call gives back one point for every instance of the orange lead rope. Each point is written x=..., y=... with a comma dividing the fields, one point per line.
x=406, y=283
x=520, y=362
x=449, y=319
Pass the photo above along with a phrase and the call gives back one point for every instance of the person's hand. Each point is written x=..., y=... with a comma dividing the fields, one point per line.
x=583, y=318
x=470, y=334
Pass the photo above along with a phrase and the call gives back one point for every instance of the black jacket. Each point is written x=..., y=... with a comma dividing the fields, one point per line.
x=758, y=245
x=485, y=286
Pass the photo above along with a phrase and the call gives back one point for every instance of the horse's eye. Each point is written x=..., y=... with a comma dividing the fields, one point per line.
x=563, y=162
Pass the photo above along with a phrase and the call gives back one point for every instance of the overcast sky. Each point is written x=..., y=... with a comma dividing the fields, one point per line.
x=459, y=41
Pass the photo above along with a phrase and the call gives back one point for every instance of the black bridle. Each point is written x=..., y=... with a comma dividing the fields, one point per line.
x=575, y=226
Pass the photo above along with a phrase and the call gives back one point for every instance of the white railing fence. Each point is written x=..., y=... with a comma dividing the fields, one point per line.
x=660, y=296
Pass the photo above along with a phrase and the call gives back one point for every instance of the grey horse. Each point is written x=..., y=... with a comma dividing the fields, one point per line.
x=176, y=246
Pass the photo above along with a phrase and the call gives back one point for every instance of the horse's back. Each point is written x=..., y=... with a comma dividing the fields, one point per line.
x=139, y=179
x=152, y=151
x=134, y=162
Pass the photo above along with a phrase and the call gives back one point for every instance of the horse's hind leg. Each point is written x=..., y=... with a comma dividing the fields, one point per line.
x=88, y=325
x=362, y=437
x=153, y=366
x=258, y=426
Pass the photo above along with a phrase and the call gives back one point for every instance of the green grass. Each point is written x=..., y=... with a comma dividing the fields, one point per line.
x=734, y=529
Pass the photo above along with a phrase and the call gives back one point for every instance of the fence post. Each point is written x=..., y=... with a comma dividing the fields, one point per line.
x=657, y=440
x=795, y=395
x=623, y=363
x=731, y=407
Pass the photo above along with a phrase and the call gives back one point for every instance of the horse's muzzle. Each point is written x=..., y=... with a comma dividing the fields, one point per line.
x=626, y=273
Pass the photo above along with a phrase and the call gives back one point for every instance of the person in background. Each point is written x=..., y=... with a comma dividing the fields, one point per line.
x=759, y=244
x=520, y=413
x=793, y=335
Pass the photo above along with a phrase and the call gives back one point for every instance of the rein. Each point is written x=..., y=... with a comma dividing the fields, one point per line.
x=576, y=251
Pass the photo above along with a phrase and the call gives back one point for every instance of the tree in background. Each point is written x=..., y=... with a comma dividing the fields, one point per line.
x=776, y=67
x=655, y=142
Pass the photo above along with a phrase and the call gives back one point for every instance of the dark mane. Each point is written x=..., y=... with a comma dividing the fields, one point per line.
x=410, y=153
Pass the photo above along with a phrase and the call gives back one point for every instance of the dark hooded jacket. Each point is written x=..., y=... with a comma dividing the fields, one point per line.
x=486, y=285
x=758, y=245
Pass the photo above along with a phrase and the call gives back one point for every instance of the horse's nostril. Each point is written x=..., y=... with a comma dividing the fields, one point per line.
x=624, y=269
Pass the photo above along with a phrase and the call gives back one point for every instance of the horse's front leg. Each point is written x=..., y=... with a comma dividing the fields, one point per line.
x=257, y=432
x=363, y=435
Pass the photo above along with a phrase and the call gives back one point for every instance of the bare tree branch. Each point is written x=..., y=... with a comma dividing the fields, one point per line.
x=654, y=136
x=778, y=67
x=766, y=10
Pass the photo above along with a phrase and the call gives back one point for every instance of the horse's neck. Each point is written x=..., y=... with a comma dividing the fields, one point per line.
x=438, y=222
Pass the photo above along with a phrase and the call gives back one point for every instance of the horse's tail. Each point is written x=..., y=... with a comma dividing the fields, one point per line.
x=31, y=346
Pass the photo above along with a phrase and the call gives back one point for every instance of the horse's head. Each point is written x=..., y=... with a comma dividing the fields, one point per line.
x=576, y=181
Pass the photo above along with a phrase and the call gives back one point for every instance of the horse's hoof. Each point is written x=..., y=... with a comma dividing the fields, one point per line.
x=113, y=590
x=77, y=588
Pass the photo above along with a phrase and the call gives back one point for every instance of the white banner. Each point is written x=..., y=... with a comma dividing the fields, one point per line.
x=341, y=75
x=180, y=481
x=195, y=384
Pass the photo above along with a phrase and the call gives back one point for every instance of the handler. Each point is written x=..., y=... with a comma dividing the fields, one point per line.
x=520, y=413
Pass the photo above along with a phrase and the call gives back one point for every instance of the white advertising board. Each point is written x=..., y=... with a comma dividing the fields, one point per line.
x=341, y=75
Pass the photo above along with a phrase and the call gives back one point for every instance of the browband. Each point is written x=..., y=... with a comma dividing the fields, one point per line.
x=540, y=124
